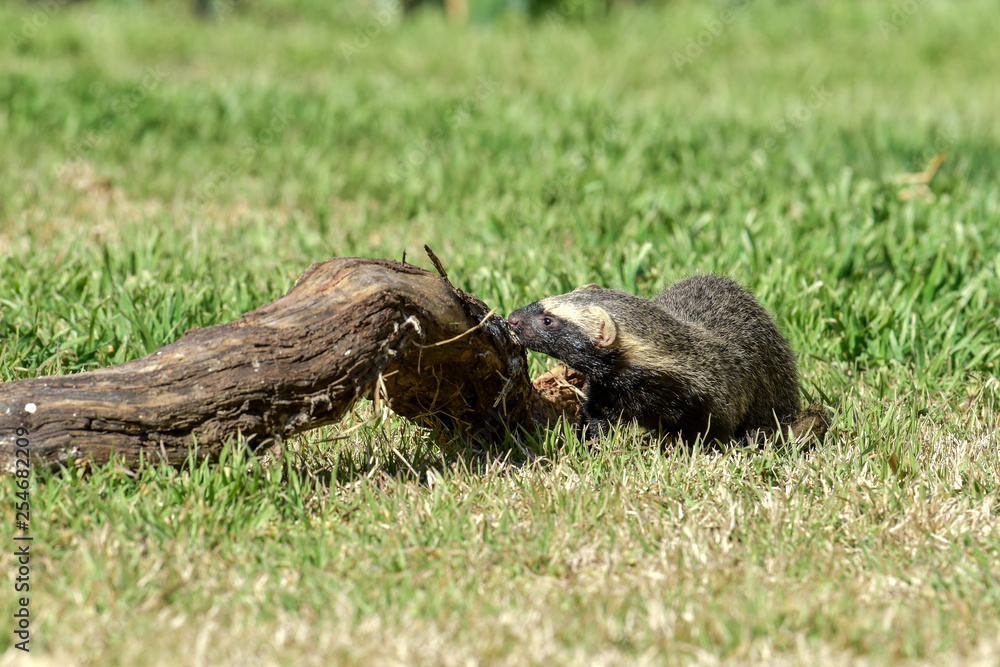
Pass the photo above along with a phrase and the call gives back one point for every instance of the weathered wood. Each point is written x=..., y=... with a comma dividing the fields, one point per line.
x=348, y=328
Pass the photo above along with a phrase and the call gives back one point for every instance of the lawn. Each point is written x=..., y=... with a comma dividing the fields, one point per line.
x=158, y=172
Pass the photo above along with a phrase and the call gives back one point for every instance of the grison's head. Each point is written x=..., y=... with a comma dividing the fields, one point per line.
x=573, y=328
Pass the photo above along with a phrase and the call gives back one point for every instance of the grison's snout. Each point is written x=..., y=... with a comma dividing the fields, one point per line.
x=514, y=319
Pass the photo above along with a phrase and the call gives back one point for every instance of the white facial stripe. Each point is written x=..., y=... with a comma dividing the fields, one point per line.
x=589, y=325
x=548, y=302
x=644, y=354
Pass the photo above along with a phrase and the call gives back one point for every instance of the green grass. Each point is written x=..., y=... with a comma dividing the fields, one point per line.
x=157, y=173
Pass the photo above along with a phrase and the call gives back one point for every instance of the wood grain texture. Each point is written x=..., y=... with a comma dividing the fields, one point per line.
x=348, y=328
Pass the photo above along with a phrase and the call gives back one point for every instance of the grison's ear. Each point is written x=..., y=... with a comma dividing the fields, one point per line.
x=588, y=286
x=604, y=331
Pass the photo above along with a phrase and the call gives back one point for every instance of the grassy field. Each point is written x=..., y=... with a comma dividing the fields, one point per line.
x=159, y=173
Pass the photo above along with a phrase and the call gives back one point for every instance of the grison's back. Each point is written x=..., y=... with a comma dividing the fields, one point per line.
x=756, y=349
x=717, y=303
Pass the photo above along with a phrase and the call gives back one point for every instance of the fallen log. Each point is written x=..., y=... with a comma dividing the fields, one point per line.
x=349, y=328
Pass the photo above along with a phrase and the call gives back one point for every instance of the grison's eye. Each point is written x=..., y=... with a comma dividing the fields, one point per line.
x=547, y=321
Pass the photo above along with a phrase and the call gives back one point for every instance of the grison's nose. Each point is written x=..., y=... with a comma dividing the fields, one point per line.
x=514, y=319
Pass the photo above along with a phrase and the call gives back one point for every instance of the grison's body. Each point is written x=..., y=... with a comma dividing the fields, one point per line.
x=702, y=358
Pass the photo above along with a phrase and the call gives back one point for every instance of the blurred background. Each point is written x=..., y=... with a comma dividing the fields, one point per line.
x=171, y=164
x=178, y=163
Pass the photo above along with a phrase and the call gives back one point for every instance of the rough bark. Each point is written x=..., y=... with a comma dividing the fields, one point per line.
x=348, y=328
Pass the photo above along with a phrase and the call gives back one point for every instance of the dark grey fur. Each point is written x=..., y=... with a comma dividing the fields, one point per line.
x=730, y=370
